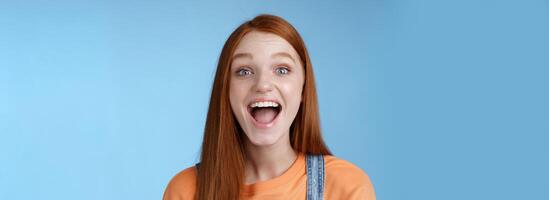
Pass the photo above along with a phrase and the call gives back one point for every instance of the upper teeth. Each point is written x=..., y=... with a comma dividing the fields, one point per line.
x=264, y=104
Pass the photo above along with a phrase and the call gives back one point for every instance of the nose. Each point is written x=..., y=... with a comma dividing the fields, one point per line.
x=264, y=83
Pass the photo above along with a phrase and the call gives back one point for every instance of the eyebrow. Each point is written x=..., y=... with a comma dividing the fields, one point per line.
x=283, y=54
x=248, y=55
x=242, y=55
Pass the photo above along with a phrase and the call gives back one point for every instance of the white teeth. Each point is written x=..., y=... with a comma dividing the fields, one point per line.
x=264, y=104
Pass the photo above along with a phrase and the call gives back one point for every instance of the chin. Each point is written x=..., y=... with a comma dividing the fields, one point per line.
x=263, y=138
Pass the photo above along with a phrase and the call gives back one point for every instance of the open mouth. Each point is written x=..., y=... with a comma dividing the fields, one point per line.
x=264, y=112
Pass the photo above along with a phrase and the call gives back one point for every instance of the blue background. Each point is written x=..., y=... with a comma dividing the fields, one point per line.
x=433, y=99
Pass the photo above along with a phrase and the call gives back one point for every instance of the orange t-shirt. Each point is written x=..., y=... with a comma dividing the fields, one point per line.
x=343, y=181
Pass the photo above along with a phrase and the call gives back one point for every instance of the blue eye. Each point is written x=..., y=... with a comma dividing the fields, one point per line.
x=282, y=70
x=243, y=72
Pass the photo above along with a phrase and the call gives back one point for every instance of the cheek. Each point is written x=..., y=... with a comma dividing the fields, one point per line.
x=237, y=94
x=292, y=92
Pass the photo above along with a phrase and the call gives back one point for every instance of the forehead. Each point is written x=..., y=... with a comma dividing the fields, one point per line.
x=265, y=43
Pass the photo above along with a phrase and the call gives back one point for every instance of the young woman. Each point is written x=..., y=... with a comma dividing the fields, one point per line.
x=262, y=138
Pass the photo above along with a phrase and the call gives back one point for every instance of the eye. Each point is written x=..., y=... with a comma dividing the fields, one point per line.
x=282, y=70
x=243, y=72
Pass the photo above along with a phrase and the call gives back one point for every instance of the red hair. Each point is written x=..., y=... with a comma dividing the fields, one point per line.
x=221, y=173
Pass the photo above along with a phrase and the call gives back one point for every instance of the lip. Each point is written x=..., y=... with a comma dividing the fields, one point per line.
x=263, y=99
x=262, y=125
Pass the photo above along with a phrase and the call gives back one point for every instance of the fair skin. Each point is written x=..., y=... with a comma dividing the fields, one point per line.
x=266, y=75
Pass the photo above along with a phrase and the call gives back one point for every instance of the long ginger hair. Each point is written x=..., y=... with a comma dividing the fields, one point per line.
x=221, y=171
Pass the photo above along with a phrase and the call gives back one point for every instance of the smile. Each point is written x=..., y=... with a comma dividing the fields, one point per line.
x=264, y=113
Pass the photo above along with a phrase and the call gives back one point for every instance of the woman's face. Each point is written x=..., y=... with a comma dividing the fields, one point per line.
x=266, y=85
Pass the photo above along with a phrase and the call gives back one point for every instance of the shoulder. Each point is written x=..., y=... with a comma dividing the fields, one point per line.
x=344, y=180
x=182, y=186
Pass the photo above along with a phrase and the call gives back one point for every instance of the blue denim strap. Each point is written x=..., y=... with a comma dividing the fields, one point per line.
x=315, y=177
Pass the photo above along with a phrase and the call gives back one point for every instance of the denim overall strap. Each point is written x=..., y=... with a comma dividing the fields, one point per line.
x=315, y=177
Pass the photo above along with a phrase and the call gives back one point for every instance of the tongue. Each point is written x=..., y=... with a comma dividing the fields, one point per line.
x=264, y=115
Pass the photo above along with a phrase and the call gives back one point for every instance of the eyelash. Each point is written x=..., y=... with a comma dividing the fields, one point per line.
x=282, y=68
x=240, y=72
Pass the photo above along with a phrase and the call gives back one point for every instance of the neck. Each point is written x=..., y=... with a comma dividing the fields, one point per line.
x=267, y=162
